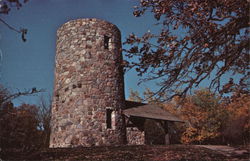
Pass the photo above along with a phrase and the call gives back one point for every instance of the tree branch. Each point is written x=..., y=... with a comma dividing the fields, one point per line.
x=18, y=94
x=10, y=27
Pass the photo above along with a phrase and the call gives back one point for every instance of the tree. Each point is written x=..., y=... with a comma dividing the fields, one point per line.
x=148, y=96
x=214, y=42
x=237, y=128
x=134, y=96
x=25, y=127
x=204, y=115
x=19, y=127
x=44, y=117
x=5, y=7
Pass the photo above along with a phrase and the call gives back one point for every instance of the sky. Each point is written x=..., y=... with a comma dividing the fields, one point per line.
x=25, y=65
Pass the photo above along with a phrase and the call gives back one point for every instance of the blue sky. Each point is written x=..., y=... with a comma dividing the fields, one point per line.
x=31, y=64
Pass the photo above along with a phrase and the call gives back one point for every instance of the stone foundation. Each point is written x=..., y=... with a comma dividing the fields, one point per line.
x=135, y=136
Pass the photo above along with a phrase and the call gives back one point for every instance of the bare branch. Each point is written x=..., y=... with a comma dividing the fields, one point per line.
x=10, y=27
x=10, y=97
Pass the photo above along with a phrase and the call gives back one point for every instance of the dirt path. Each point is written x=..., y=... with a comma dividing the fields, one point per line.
x=228, y=150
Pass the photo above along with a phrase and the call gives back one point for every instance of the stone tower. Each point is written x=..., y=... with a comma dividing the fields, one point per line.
x=89, y=89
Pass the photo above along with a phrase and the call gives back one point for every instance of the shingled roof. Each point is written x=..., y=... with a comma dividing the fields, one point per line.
x=152, y=112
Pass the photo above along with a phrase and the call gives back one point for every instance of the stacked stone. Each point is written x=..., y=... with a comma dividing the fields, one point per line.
x=88, y=81
x=135, y=136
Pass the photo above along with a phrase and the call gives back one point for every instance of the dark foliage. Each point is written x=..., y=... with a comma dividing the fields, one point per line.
x=19, y=127
x=25, y=127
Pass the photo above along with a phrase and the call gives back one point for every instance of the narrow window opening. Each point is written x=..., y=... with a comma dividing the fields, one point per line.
x=109, y=118
x=66, y=89
x=73, y=86
x=106, y=42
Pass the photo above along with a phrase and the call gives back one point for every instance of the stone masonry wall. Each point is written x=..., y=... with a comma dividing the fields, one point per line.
x=88, y=82
x=135, y=136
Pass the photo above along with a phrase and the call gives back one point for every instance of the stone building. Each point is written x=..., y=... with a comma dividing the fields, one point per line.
x=89, y=107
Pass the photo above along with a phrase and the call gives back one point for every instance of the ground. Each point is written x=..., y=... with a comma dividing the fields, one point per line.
x=134, y=153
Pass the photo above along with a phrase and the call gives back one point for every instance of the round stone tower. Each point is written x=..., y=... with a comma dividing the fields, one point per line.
x=89, y=89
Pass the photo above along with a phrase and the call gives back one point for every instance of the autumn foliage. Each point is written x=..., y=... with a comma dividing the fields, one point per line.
x=213, y=120
x=237, y=129
x=19, y=127
x=25, y=127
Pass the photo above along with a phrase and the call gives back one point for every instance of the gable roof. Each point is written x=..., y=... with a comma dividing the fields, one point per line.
x=152, y=112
